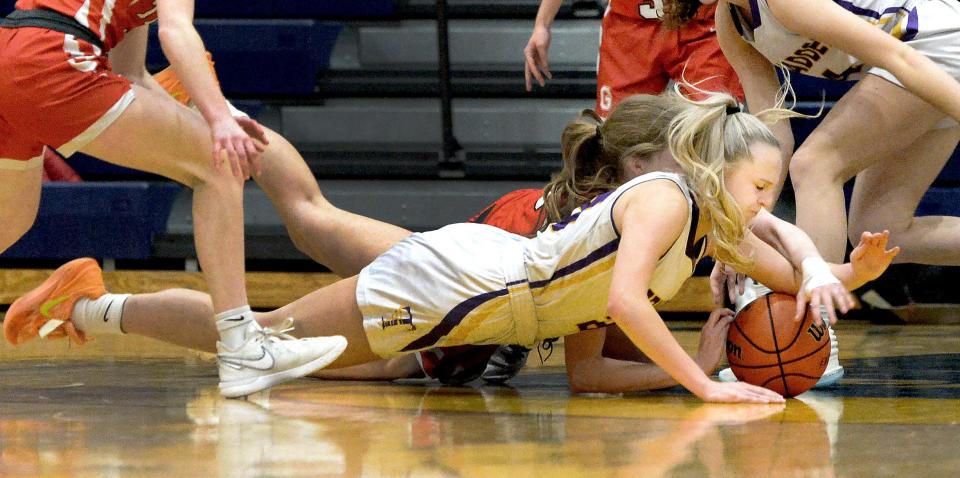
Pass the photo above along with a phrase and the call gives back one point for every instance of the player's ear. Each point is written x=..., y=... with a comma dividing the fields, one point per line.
x=633, y=167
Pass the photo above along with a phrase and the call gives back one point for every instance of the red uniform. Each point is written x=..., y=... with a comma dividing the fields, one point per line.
x=639, y=55
x=59, y=90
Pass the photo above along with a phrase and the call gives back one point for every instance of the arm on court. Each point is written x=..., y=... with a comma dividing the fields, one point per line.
x=832, y=25
x=651, y=217
x=590, y=370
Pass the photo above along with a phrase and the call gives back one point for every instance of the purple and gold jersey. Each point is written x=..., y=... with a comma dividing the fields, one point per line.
x=477, y=284
x=930, y=26
x=570, y=264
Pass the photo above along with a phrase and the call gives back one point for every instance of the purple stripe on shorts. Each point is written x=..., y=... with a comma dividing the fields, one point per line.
x=603, y=251
x=452, y=319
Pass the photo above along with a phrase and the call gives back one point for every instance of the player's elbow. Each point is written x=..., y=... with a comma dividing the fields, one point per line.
x=580, y=378
x=619, y=304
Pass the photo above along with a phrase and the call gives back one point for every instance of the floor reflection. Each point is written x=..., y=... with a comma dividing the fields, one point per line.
x=897, y=413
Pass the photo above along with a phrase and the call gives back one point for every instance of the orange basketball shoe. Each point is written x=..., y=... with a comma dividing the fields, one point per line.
x=45, y=311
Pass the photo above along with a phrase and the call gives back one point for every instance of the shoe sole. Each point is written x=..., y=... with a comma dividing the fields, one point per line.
x=830, y=378
x=242, y=388
x=25, y=311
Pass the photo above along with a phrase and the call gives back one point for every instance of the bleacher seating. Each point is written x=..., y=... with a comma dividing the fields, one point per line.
x=353, y=84
x=294, y=8
x=262, y=57
x=116, y=220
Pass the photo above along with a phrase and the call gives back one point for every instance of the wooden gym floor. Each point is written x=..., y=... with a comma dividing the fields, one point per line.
x=132, y=407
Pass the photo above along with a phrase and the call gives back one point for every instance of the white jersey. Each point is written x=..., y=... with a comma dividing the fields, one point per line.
x=477, y=284
x=932, y=27
x=570, y=264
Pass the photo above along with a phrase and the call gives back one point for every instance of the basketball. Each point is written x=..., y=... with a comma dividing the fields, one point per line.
x=766, y=347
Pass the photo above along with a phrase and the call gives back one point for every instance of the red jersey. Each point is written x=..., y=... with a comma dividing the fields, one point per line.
x=108, y=19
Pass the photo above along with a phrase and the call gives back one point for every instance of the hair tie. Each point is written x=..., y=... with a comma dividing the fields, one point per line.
x=599, y=139
x=732, y=110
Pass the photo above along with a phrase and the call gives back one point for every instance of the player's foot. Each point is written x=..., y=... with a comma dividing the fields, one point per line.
x=505, y=363
x=270, y=357
x=45, y=311
x=834, y=371
x=831, y=375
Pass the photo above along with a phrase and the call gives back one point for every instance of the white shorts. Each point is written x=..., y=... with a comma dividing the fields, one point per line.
x=938, y=40
x=461, y=284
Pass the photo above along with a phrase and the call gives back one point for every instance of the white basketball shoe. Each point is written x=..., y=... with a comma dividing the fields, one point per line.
x=269, y=357
x=834, y=371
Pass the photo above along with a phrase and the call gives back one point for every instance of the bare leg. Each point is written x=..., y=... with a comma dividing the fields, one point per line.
x=886, y=196
x=404, y=366
x=20, y=197
x=177, y=316
x=869, y=125
x=329, y=311
x=158, y=135
x=343, y=241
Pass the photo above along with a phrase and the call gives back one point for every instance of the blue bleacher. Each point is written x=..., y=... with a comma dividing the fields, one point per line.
x=104, y=220
x=262, y=57
x=294, y=8
x=6, y=6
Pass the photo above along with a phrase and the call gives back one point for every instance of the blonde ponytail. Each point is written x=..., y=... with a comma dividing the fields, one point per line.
x=705, y=140
x=704, y=136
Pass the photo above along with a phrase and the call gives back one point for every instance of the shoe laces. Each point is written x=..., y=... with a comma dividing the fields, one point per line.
x=278, y=332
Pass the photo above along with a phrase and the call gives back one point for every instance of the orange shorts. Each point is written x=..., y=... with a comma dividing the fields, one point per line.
x=55, y=91
x=640, y=55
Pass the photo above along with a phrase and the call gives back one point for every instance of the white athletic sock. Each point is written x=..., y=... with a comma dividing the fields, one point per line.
x=103, y=315
x=234, y=326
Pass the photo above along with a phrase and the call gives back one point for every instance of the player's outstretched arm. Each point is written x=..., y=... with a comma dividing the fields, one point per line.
x=589, y=371
x=652, y=216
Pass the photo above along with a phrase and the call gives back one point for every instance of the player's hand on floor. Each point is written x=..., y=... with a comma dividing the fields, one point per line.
x=739, y=392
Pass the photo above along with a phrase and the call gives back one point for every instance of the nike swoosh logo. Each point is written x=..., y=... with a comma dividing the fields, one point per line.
x=46, y=306
x=264, y=362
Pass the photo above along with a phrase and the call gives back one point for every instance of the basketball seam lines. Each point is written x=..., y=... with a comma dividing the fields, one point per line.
x=794, y=360
x=776, y=345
